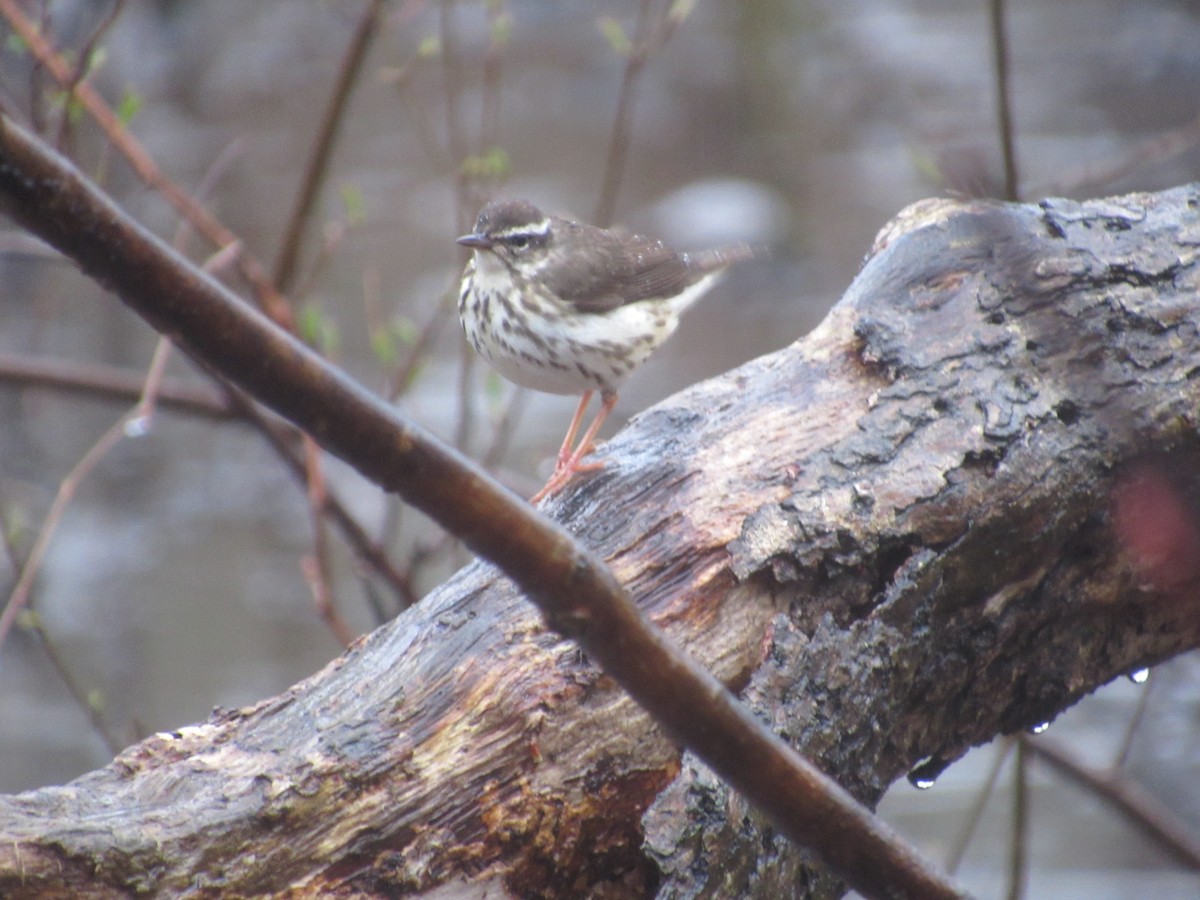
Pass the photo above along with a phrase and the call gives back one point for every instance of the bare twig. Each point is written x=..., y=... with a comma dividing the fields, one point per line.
x=456, y=144
x=18, y=598
x=143, y=413
x=576, y=593
x=88, y=702
x=1135, y=721
x=418, y=353
x=1150, y=816
x=1018, y=860
x=316, y=566
x=322, y=149
x=1139, y=157
x=650, y=35
x=268, y=295
x=332, y=236
x=122, y=386
x=109, y=383
x=954, y=860
x=282, y=438
x=83, y=63
x=618, y=146
x=456, y=147
x=503, y=432
x=493, y=70
x=118, y=385
x=228, y=254
x=1004, y=122
x=32, y=623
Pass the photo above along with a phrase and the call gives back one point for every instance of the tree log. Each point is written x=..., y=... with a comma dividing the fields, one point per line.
x=955, y=508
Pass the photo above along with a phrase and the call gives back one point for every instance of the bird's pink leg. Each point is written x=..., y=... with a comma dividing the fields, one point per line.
x=568, y=444
x=608, y=401
x=570, y=459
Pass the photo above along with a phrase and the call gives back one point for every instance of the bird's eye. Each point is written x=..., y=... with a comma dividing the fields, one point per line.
x=519, y=241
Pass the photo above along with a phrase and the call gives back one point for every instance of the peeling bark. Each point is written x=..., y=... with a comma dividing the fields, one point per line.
x=894, y=537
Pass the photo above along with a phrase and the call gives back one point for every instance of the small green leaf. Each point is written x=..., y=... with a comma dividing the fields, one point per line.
x=95, y=700
x=308, y=324
x=492, y=163
x=15, y=43
x=96, y=59
x=493, y=390
x=430, y=47
x=15, y=524
x=29, y=620
x=501, y=29
x=680, y=10
x=131, y=103
x=387, y=340
x=615, y=34
x=405, y=330
x=354, y=204
x=926, y=166
x=415, y=375
x=318, y=330
x=58, y=99
x=383, y=345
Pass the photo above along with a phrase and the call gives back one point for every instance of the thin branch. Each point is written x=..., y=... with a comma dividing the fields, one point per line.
x=456, y=145
x=954, y=860
x=318, y=162
x=618, y=146
x=650, y=36
x=332, y=236
x=142, y=414
x=82, y=67
x=116, y=385
x=88, y=703
x=576, y=593
x=1138, y=158
x=282, y=438
x=1018, y=861
x=19, y=596
x=1139, y=713
x=1131, y=801
x=402, y=378
x=498, y=23
x=216, y=170
x=505, y=427
x=1004, y=121
x=316, y=566
x=109, y=383
x=269, y=297
x=32, y=623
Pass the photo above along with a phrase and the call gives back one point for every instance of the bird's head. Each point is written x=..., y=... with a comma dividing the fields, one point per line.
x=514, y=232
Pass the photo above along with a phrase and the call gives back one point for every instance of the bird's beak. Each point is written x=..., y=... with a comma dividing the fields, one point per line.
x=478, y=241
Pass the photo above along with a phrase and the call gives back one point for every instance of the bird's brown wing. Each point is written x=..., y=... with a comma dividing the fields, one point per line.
x=619, y=270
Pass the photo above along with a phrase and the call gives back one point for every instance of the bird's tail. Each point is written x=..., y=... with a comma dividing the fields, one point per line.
x=719, y=258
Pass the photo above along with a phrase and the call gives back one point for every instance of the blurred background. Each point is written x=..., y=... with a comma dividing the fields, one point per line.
x=179, y=576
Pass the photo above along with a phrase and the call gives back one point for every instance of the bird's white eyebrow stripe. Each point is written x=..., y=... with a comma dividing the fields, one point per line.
x=541, y=228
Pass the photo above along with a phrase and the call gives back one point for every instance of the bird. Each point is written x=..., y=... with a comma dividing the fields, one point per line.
x=564, y=307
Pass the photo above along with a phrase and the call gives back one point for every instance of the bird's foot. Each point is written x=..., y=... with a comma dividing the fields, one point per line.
x=567, y=469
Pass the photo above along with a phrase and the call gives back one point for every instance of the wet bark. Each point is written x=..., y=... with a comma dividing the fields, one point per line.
x=959, y=505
